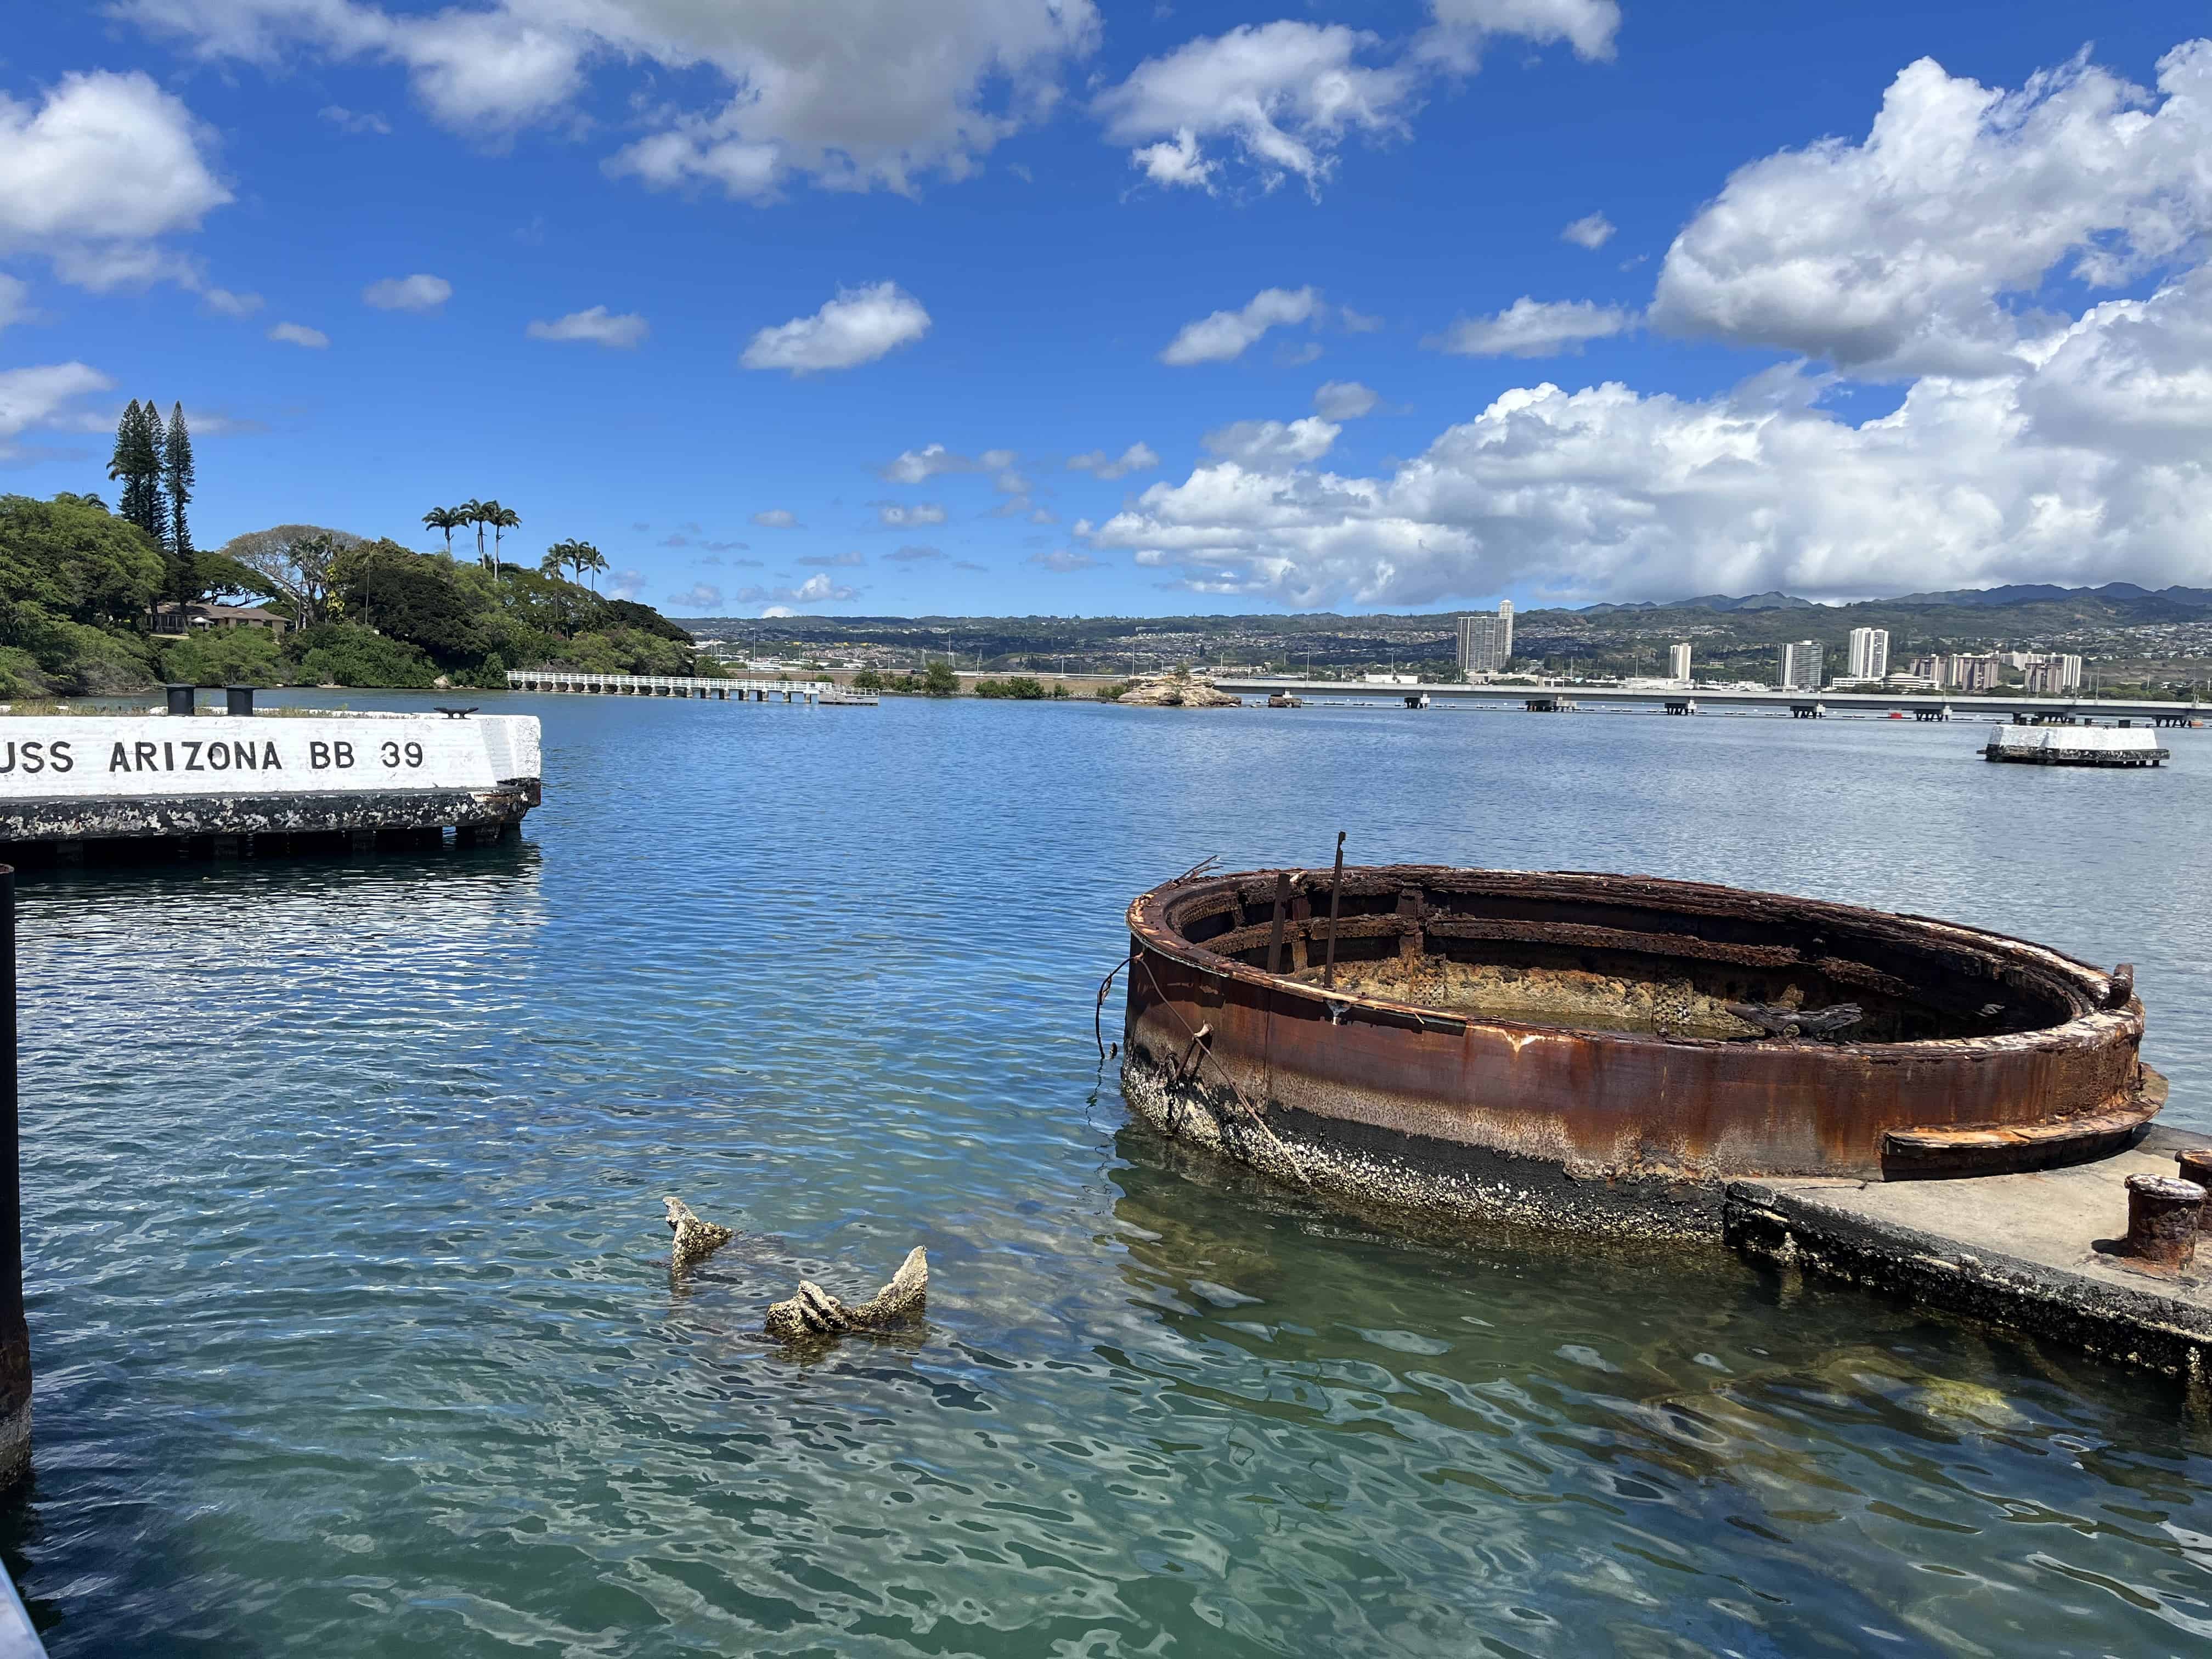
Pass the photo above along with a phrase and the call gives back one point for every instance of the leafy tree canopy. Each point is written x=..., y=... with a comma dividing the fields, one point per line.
x=71, y=557
x=628, y=613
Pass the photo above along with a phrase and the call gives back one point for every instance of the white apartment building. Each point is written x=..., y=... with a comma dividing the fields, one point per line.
x=1485, y=642
x=1870, y=654
x=1972, y=673
x=1802, y=666
x=1678, y=663
x=2049, y=676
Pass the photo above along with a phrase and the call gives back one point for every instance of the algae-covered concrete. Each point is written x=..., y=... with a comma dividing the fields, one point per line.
x=2037, y=1251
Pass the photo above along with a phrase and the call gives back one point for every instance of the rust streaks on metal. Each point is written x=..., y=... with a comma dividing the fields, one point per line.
x=2013, y=1051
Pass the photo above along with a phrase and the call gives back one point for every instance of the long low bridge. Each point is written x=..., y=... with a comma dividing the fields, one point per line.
x=666, y=685
x=1805, y=705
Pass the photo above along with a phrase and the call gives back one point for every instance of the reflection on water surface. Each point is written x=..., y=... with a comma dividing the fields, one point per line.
x=355, y=1334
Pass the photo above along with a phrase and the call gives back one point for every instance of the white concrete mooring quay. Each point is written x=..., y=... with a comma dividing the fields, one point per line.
x=680, y=685
x=99, y=786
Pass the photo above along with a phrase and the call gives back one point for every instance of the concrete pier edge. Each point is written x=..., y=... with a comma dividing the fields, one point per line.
x=2034, y=1253
x=2016, y=1251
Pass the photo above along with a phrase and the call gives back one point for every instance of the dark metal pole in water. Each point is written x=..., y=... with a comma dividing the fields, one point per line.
x=1275, y=936
x=1335, y=887
x=14, y=1334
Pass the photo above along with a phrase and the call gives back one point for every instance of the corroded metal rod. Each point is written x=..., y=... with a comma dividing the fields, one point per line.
x=1275, y=934
x=1335, y=890
x=2162, y=1218
x=2197, y=1166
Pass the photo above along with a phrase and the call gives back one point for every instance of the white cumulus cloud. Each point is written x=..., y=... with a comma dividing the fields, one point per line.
x=420, y=292
x=1272, y=443
x=2084, y=464
x=1909, y=253
x=38, y=396
x=97, y=171
x=776, y=518
x=1283, y=96
x=14, y=300
x=894, y=516
x=300, y=334
x=1345, y=400
x=594, y=326
x=850, y=94
x=359, y=123
x=914, y=466
x=1137, y=458
x=858, y=326
x=1174, y=161
x=1224, y=335
x=1462, y=26
x=1533, y=328
x=224, y=303
x=818, y=589
x=1592, y=231
x=700, y=600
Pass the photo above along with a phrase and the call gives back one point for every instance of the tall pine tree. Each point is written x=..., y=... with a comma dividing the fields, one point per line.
x=138, y=463
x=177, y=476
x=119, y=463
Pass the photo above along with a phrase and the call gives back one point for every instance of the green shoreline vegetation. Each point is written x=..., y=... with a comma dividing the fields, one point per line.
x=84, y=592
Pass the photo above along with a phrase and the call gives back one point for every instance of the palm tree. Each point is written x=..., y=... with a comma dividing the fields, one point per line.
x=447, y=519
x=557, y=558
x=472, y=512
x=500, y=519
x=588, y=560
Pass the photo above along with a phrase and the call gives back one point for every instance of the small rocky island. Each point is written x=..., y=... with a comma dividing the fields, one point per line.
x=1175, y=689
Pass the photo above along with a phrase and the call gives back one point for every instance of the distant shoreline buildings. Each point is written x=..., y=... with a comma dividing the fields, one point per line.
x=1803, y=661
x=1868, y=654
x=1485, y=642
x=2047, y=673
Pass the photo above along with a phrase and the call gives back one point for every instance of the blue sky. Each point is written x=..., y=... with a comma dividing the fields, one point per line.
x=851, y=306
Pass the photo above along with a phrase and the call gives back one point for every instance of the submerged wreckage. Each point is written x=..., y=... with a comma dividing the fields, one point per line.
x=1440, y=1031
x=1636, y=1056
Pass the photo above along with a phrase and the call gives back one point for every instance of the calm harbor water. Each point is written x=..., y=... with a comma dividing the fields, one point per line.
x=355, y=1331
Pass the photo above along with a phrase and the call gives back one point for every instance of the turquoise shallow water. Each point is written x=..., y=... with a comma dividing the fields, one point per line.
x=354, y=1333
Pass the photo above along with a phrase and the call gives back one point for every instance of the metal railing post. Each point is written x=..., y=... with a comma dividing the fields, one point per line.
x=15, y=1333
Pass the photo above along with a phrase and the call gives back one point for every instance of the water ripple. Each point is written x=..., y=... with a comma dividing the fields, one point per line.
x=355, y=1334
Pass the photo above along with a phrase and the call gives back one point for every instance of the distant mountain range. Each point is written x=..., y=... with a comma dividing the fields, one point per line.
x=1710, y=602
x=2045, y=593
x=2125, y=596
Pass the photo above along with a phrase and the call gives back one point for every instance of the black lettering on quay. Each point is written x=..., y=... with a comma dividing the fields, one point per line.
x=324, y=756
x=217, y=757
x=37, y=755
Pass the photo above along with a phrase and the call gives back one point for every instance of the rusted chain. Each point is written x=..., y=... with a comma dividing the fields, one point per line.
x=1098, y=1013
x=1198, y=1036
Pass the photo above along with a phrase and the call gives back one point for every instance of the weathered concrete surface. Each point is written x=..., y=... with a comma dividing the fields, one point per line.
x=2021, y=1250
x=105, y=777
x=88, y=819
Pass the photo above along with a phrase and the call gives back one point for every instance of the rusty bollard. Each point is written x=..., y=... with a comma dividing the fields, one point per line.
x=2197, y=1166
x=2163, y=1214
